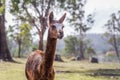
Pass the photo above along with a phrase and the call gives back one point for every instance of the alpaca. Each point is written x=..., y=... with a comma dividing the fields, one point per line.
x=39, y=65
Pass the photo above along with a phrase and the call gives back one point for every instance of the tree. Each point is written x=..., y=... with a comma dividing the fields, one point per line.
x=78, y=20
x=90, y=51
x=4, y=51
x=71, y=45
x=35, y=12
x=113, y=27
x=20, y=34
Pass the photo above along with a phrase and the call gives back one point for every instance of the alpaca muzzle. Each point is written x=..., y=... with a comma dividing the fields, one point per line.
x=60, y=34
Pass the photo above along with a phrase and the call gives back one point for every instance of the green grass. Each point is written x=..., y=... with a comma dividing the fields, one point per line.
x=12, y=71
x=70, y=70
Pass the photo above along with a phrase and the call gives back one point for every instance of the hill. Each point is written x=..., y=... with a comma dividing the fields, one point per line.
x=97, y=42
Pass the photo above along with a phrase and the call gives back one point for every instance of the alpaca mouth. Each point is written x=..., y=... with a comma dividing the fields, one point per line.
x=60, y=35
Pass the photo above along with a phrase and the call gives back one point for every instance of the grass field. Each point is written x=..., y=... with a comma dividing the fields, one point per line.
x=69, y=70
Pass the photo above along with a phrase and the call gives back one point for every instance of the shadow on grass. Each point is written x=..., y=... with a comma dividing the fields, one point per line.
x=104, y=72
x=97, y=72
x=70, y=72
x=18, y=62
x=11, y=61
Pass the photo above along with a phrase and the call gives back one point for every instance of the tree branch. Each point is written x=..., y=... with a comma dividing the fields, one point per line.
x=48, y=8
x=36, y=8
x=32, y=20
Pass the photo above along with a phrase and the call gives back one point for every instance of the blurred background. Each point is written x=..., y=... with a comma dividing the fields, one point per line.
x=91, y=32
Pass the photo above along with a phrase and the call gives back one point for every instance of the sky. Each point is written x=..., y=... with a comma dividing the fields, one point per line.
x=102, y=9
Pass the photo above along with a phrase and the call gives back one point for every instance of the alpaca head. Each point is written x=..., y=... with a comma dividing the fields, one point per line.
x=56, y=26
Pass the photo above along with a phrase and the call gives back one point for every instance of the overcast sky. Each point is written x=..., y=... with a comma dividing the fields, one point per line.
x=102, y=9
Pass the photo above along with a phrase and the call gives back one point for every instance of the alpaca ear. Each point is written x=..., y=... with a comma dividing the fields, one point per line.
x=62, y=18
x=51, y=16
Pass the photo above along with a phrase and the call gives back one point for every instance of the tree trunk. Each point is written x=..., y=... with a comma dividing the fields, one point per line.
x=4, y=51
x=81, y=54
x=81, y=50
x=115, y=41
x=41, y=43
x=41, y=34
x=19, y=48
x=115, y=46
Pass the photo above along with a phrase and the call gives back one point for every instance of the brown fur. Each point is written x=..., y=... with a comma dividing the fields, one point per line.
x=39, y=65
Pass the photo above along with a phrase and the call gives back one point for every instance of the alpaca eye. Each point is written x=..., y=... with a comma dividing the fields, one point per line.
x=53, y=27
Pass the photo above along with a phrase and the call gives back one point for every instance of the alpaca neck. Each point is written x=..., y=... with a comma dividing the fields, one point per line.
x=50, y=52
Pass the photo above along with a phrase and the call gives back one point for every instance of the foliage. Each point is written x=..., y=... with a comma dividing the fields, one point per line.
x=71, y=45
x=78, y=19
x=20, y=34
x=2, y=7
x=89, y=52
x=35, y=12
x=109, y=37
x=113, y=27
x=113, y=24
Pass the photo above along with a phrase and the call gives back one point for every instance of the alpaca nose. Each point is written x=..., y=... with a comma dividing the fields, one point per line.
x=60, y=34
